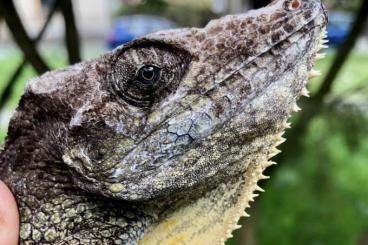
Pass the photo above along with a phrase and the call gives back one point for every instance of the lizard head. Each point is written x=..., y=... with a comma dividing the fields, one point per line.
x=186, y=108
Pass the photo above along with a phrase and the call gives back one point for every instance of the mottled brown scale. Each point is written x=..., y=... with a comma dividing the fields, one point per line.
x=96, y=153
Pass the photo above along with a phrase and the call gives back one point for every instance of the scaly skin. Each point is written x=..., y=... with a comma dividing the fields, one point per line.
x=162, y=140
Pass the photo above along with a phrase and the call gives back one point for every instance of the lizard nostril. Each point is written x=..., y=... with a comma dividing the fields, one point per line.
x=295, y=4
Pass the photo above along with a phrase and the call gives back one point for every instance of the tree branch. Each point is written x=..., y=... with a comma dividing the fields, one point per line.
x=9, y=85
x=71, y=32
x=344, y=51
x=293, y=145
x=11, y=17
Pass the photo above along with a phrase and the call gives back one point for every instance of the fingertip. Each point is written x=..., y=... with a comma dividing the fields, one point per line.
x=9, y=217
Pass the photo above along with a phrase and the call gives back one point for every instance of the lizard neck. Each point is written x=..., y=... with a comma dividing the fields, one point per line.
x=53, y=209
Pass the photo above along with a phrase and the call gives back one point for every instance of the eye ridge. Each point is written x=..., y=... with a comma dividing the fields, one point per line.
x=148, y=74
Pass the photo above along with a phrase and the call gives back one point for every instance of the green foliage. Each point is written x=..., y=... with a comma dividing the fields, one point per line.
x=343, y=5
x=144, y=7
x=8, y=63
x=322, y=198
x=183, y=14
x=353, y=74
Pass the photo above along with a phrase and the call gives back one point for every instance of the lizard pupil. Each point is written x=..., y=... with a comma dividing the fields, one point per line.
x=148, y=74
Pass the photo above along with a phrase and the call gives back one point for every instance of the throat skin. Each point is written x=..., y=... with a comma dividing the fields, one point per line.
x=223, y=207
x=164, y=139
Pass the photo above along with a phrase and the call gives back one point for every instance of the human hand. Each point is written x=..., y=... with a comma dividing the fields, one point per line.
x=9, y=217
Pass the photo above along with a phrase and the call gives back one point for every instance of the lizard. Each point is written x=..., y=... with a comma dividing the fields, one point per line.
x=161, y=140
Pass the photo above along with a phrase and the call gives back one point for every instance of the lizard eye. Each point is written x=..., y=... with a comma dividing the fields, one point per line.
x=149, y=74
x=135, y=79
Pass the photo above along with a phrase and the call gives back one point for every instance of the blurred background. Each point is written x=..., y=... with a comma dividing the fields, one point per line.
x=318, y=193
